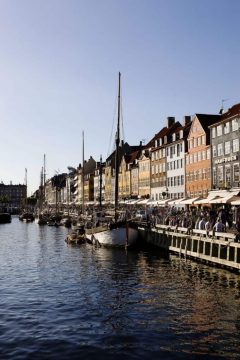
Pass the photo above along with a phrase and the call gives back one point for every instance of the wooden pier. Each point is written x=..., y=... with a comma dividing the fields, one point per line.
x=217, y=248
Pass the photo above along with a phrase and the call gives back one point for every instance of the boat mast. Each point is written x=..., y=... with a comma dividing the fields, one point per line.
x=44, y=178
x=100, y=182
x=41, y=191
x=26, y=187
x=82, y=172
x=117, y=141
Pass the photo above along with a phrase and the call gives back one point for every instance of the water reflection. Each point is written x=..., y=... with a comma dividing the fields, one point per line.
x=58, y=301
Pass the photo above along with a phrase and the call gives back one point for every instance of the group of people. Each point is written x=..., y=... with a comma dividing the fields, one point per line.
x=219, y=220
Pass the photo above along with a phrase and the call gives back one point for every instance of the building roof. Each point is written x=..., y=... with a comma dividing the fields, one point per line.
x=165, y=131
x=207, y=119
x=234, y=110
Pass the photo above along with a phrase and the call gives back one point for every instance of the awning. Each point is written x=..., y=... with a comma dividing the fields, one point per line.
x=176, y=201
x=164, y=202
x=152, y=202
x=218, y=197
x=223, y=200
x=236, y=201
x=132, y=201
x=189, y=201
x=144, y=201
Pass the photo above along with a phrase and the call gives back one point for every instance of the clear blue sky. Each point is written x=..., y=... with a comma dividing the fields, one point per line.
x=59, y=63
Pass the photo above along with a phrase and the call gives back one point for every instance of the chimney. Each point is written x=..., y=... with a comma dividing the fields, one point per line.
x=186, y=120
x=170, y=121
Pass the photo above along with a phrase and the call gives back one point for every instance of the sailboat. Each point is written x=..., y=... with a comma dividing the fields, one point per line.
x=118, y=232
x=41, y=219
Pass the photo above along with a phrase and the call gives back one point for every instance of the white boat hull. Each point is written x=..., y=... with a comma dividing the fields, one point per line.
x=118, y=237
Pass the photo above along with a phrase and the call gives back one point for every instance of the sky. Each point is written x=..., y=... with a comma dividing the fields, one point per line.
x=59, y=64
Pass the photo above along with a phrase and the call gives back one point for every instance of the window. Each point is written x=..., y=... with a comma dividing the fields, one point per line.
x=194, y=142
x=219, y=130
x=234, y=124
x=200, y=174
x=199, y=141
x=220, y=149
x=199, y=156
x=220, y=174
x=208, y=154
x=214, y=150
x=227, y=148
x=235, y=145
x=187, y=160
x=236, y=173
x=204, y=173
x=203, y=139
x=204, y=154
x=190, y=159
x=227, y=175
x=213, y=132
x=226, y=128
x=195, y=157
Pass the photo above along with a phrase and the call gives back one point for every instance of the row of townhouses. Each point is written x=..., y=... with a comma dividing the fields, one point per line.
x=183, y=160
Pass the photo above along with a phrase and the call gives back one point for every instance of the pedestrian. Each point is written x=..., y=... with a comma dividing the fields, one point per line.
x=219, y=226
x=201, y=225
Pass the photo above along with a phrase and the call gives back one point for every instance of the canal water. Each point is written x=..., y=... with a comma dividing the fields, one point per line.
x=67, y=302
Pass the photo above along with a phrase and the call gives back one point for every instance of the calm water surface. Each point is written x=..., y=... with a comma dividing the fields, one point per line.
x=64, y=302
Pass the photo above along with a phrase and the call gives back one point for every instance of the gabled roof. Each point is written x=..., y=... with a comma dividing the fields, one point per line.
x=164, y=132
x=207, y=120
x=132, y=157
x=234, y=110
x=124, y=150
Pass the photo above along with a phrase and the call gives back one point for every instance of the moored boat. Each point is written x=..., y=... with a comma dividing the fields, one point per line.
x=5, y=218
x=76, y=237
x=118, y=232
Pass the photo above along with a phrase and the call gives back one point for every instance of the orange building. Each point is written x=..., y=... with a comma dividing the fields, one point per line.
x=198, y=157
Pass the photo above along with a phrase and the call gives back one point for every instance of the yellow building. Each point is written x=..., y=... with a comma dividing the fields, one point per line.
x=144, y=184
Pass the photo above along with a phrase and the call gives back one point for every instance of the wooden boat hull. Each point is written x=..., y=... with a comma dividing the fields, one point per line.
x=119, y=237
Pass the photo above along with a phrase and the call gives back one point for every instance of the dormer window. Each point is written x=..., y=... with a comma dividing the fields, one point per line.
x=174, y=137
x=156, y=144
x=165, y=139
x=181, y=134
x=160, y=141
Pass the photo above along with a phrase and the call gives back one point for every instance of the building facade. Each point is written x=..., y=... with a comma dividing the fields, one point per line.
x=198, y=156
x=175, y=160
x=225, y=150
x=12, y=196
